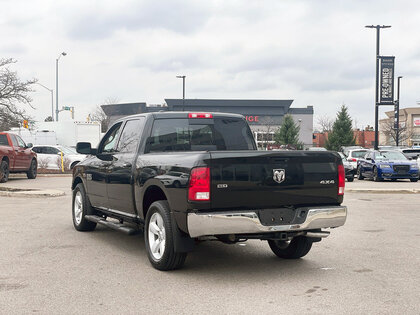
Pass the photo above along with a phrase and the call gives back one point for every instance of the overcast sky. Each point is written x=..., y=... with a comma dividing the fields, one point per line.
x=314, y=52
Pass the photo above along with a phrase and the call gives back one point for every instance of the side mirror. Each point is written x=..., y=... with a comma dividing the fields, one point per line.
x=29, y=145
x=84, y=148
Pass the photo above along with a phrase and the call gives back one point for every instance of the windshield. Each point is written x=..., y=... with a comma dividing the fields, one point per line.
x=390, y=155
x=67, y=150
x=358, y=154
x=182, y=134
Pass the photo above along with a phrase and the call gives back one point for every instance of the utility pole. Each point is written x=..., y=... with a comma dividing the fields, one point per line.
x=397, y=114
x=52, y=99
x=183, y=90
x=378, y=28
x=56, y=85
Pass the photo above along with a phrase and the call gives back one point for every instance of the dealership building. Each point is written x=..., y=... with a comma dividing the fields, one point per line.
x=263, y=116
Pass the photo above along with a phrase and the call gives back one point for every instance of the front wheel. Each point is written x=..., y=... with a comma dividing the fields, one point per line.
x=159, y=238
x=350, y=179
x=296, y=248
x=31, y=173
x=414, y=180
x=4, y=171
x=376, y=177
x=81, y=207
x=359, y=174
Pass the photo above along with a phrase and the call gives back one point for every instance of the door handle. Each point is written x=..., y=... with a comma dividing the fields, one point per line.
x=127, y=164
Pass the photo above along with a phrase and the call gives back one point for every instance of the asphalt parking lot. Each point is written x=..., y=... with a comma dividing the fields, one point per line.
x=371, y=265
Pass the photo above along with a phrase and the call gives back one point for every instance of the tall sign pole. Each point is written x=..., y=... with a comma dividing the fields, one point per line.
x=183, y=90
x=378, y=28
x=397, y=114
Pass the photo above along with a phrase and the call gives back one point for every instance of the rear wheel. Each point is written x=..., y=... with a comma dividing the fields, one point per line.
x=31, y=173
x=159, y=238
x=4, y=171
x=296, y=248
x=350, y=179
x=359, y=174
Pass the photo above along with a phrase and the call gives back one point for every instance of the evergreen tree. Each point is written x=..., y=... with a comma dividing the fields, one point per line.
x=342, y=132
x=288, y=133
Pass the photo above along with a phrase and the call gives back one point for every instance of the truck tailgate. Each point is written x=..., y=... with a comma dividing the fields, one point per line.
x=270, y=180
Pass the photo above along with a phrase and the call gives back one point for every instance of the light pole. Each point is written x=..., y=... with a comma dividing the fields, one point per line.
x=397, y=114
x=183, y=89
x=378, y=28
x=52, y=99
x=56, y=85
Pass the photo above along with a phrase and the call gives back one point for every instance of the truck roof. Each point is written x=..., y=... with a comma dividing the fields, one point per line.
x=184, y=114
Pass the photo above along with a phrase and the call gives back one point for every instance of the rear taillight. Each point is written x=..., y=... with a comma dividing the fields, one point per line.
x=351, y=160
x=341, y=179
x=200, y=115
x=199, y=188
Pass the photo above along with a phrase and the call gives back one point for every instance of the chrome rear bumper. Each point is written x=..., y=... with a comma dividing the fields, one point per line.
x=248, y=222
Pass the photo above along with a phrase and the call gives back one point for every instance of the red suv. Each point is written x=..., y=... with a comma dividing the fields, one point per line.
x=16, y=157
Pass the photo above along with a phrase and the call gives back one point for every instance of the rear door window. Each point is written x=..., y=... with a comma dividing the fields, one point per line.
x=130, y=136
x=3, y=140
x=183, y=134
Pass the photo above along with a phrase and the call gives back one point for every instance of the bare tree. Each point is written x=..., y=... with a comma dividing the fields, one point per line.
x=13, y=91
x=99, y=115
x=405, y=132
x=325, y=123
x=270, y=126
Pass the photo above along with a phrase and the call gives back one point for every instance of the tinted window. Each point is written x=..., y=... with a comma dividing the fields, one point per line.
x=109, y=141
x=50, y=150
x=130, y=136
x=3, y=140
x=204, y=134
x=37, y=149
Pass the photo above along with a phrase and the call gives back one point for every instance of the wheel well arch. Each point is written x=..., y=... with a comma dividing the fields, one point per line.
x=76, y=181
x=153, y=193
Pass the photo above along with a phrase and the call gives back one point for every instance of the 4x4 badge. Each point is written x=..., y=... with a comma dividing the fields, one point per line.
x=279, y=175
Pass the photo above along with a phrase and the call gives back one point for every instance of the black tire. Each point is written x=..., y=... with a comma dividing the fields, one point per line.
x=177, y=184
x=376, y=178
x=296, y=248
x=414, y=180
x=79, y=221
x=393, y=179
x=359, y=174
x=166, y=258
x=350, y=179
x=33, y=169
x=4, y=171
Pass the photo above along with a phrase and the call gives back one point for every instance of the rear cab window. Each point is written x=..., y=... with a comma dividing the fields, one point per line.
x=216, y=134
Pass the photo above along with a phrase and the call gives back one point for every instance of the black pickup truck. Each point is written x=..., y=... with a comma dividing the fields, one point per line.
x=187, y=177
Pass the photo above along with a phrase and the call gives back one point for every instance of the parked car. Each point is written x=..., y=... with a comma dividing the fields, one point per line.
x=346, y=149
x=16, y=157
x=354, y=155
x=348, y=168
x=233, y=191
x=382, y=164
x=49, y=156
x=412, y=153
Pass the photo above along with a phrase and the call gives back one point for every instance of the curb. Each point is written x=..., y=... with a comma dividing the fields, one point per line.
x=383, y=191
x=33, y=193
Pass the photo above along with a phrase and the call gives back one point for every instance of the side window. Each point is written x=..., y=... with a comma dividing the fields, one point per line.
x=21, y=143
x=3, y=140
x=51, y=150
x=108, y=142
x=36, y=149
x=14, y=141
x=130, y=136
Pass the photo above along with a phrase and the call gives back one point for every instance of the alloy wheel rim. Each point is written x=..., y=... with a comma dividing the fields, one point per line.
x=157, y=236
x=78, y=207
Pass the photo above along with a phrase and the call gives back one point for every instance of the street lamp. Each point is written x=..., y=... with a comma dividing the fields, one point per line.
x=378, y=28
x=56, y=84
x=183, y=89
x=52, y=99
